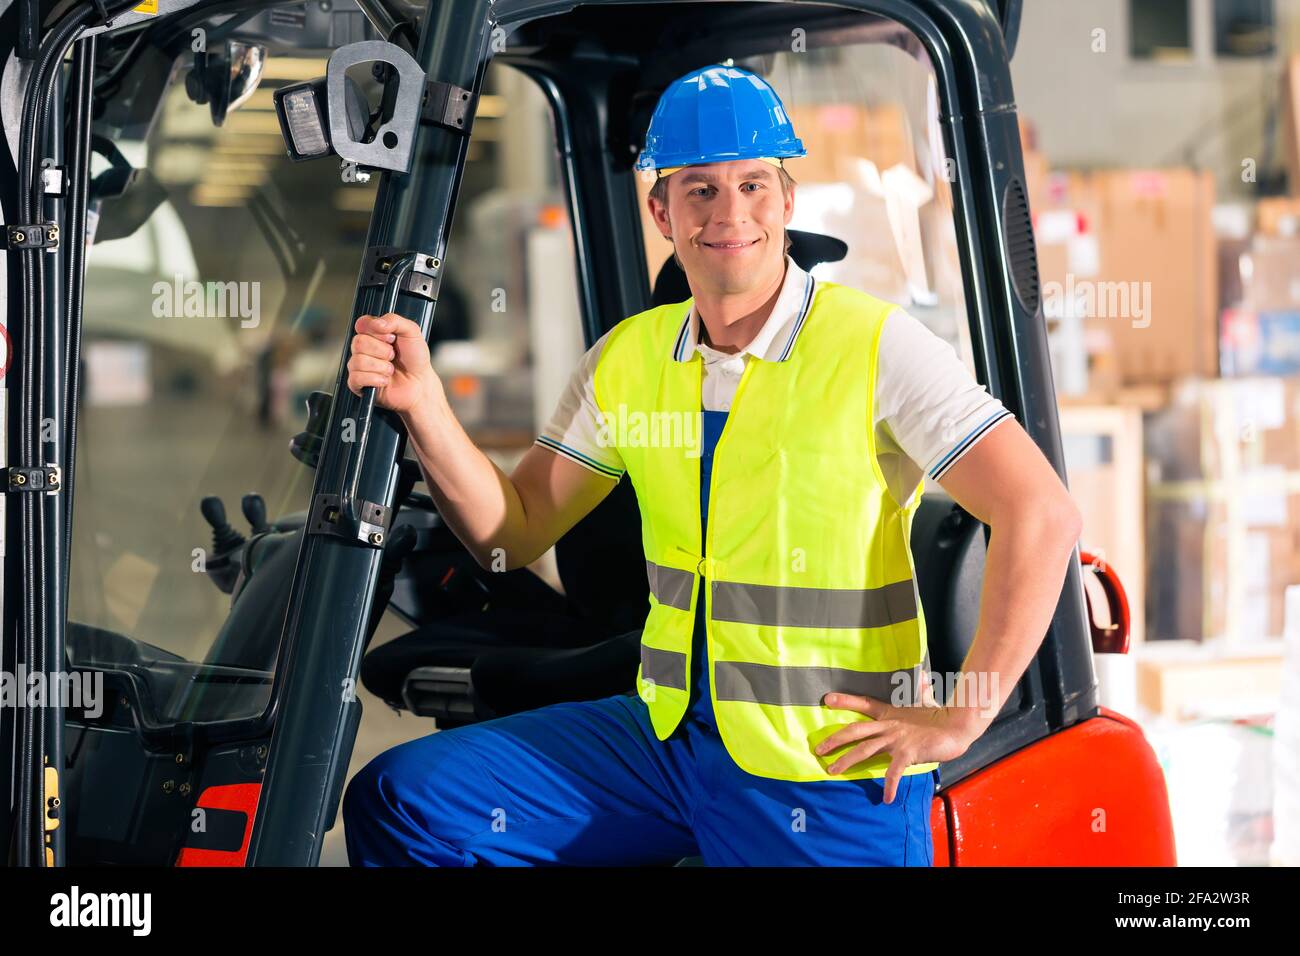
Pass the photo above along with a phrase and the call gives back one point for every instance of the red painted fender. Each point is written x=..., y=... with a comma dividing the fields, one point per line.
x=1091, y=795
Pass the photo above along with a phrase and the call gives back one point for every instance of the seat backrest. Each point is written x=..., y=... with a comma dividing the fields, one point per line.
x=948, y=553
x=602, y=565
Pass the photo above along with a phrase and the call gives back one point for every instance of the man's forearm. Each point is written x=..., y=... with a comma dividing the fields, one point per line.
x=477, y=500
x=1028, y=555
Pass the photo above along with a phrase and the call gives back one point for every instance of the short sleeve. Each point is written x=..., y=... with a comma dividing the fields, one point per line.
x=573, y=430
x=930, y=410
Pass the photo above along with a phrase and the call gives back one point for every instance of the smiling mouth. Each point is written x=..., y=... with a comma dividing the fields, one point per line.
x=731, y=244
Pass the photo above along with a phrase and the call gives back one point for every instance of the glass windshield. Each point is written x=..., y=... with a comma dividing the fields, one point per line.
x=206, y=329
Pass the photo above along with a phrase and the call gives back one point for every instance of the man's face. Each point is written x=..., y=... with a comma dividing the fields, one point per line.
x=727, y=223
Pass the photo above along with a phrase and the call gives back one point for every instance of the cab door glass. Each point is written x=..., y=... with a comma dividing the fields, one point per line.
x=208, y=326
x=205, y=330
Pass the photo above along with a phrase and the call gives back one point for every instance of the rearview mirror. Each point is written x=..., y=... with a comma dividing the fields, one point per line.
x=225, y=77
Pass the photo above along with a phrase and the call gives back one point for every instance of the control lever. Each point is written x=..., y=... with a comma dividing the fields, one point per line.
x=254, y=509
x=226, y=543
x=305, y=446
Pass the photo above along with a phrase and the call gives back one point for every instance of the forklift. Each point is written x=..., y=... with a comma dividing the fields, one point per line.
x=254, y=736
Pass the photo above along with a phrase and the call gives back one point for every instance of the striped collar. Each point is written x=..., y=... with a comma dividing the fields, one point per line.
x=775, y=340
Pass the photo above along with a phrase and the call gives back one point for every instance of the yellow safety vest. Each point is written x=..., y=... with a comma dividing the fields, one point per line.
x=811, y=580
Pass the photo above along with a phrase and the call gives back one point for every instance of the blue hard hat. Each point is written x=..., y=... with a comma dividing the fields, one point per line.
x=717, y=114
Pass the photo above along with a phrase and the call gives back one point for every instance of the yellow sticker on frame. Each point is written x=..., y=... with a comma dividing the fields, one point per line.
x=148, y=6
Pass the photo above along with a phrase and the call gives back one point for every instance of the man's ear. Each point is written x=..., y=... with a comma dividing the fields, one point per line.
x=789, y=203
x=659, y=213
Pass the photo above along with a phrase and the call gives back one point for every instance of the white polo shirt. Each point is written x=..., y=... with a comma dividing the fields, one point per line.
x=929, y=409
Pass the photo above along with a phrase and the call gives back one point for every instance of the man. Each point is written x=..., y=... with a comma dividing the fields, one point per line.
x=782, y=713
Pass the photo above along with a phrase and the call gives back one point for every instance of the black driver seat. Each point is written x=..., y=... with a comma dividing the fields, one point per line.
x=584, y=644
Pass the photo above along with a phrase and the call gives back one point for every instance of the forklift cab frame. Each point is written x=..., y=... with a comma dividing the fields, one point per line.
x=276, y=777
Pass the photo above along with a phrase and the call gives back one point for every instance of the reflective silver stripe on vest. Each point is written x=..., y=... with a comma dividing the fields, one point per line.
x=665, y=668
x=813, y=607
x=806, y=686
x=670, y=586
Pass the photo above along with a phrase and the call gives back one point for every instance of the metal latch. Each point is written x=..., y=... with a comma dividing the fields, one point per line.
x=46, y=478
x=424, y=279
x=447, y=105
x=327, y=518
x=33, y=236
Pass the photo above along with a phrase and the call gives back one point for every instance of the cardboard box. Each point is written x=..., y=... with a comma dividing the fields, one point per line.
x=1270, y=274
x=1259, y=343
x=1064, y=236
x=1212, y=581
x=1156, y=292
x=1066, y=245
x=837, y=134
x=1219, y=429
x=1103, y=451
x=861, y=219
x=1145, y=398
x=1223, y=510
x=1278, y=216
x=1186, y=685
x=1072, y=189
x=1141, y=270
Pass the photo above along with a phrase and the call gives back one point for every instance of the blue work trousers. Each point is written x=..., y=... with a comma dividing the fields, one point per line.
x=588, y=783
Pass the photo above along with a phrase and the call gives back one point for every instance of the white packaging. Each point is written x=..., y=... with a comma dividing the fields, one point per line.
x=1286, y=743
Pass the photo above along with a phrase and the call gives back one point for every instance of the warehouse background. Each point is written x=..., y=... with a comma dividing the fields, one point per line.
x=1163, y=165
x=1161, y=147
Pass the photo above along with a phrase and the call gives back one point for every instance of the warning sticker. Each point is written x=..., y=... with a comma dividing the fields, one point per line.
x=148, y=6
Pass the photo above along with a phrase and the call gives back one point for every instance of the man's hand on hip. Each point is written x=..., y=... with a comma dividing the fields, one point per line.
x=910, y=735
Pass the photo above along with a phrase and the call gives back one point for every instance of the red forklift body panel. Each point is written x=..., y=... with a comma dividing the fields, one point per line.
x=1016, y=813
